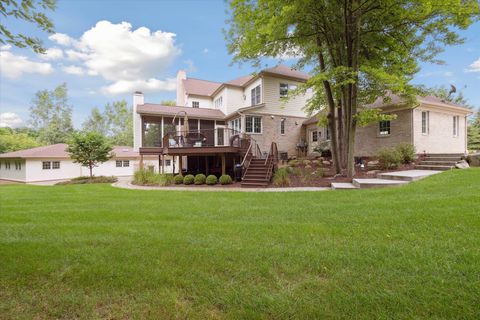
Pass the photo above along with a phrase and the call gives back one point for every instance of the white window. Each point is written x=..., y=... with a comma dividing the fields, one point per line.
x=118, y=163
x=384, y=128
x=314, y=136
x=56, y=165
x=18, y=165
x=282, y=126
x=195, y=104
x=253, y=124
x=46, y=165
x=218, y=102
x=456, y=121
x=7, y=165
x=126, y=163
x=255, y=95
x=425, y=122
x=236, y=125
x=283, y=90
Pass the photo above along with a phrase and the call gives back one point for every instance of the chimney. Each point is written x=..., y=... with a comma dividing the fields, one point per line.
x=138, y=99
x=181, y=75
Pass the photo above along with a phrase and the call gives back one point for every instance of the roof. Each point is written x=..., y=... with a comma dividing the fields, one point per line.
x=200, y=87
x=398, y=100
x=240, y=81
x=58, y=151
x=312, y=120
x=283, y=70
x=204, y=113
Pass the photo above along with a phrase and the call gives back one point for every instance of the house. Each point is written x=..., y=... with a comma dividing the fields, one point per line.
x=53, y=163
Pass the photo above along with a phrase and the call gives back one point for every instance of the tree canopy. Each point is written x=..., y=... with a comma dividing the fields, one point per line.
x=16, y=139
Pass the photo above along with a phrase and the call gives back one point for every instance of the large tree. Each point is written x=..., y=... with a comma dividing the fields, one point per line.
x=115, y=122
x=13, y=140
x=32, y=11
x=51, y=115
x=473, y=133
x=359, y=50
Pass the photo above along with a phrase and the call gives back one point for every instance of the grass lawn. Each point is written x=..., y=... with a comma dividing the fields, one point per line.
x=94, y=251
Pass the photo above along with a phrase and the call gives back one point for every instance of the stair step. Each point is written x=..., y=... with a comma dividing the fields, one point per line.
x=376, y=183
x=451, y=159
x=438, y=162
x=342, y=186
x=253, y=185
x=255, y=176
x=433, y=167
x=458, y=155
x=409, y=175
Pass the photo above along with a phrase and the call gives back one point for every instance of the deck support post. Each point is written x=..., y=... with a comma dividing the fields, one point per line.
x=180, y=164
x=160, y=163
x=223, y=163
x=163, y=163
x=141, y=161
x=206, y=165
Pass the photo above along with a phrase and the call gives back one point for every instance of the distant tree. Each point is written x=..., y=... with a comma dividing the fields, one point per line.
x=11, y=140
x=51, y=115
x=473, y=133
x=445, y=94
x=171, y=103
x=89, y=149
x=29, y=11
x=116, y=123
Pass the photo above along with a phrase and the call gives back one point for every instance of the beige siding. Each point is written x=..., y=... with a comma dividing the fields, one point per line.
x=248, y=97
x=205, y=102
x=13, y=173
x=273, y=104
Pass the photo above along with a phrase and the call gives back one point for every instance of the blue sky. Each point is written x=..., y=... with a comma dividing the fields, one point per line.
x=92, y=55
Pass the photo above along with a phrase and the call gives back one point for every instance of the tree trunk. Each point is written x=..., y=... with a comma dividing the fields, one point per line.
x=90, y=167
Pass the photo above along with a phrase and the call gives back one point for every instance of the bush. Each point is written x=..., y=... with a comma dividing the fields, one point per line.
x=281, y=178
x=87, y=180
x=211, y=180
x=389, y=158
x=188, y=179
x=178, y=179
x=293, y=163
x=407, y=152
x=225, y=179
x=308, y=167
x=145, y=177
x=200, y=179
x=165, y=179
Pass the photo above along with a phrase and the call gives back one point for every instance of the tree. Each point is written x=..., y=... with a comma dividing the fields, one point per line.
x=29, y=11
x=171, y=103
x=51, y=115
x=473, y=133
x=12, y=140
x=89, y=149
x=445, y=94
x=115, y=122
x=359, y=51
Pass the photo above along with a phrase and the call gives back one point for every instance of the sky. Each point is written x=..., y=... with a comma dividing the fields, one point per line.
x=106, y=50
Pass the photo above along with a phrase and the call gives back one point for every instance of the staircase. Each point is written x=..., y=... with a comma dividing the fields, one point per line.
x=259, y=172
x=439, y=161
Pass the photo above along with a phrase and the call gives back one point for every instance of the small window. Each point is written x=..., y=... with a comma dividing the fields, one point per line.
x=255, y=95
x=384, y=128
x=218, y=102
x=7, y=165
x=282, y=126
x=46, y=165
x=118, y=163
x=425, y=122
x=18, y=165
x=283, y=90
x=168, y=162
x=126, y=163
x=56, y=165
x=455, y=125
x=314, y=136
x=195, y=104
x=253, y=124
x=236, y=125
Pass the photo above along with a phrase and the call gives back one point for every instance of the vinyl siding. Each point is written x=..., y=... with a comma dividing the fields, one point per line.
x=273, y=104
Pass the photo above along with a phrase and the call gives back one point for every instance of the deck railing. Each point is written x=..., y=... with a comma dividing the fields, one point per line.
x=219, y=137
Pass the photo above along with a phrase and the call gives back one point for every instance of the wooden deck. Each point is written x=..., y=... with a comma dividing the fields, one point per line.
x=189, y=151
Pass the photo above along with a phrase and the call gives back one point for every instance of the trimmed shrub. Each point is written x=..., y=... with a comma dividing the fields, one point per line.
x=200, y=179
x=407, y=152
x=225, y=179
x=88, y=180
x=178, y=179
x=188, y=179
x=281, y=178
x=211, y=180
x=165, y=179
x=389, y=158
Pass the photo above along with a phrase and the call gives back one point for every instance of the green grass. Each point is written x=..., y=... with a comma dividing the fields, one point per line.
x=94, y=251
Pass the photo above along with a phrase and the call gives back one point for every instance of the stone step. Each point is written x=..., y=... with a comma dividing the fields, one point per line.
x=451, y=159
x=376, y=183
x=408, y=175
x=458, y=155
x=433, y=167
x=438, y=162
x=342, y=186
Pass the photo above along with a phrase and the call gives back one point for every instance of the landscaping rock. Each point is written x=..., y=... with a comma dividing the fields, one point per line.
x=372, y=163
x=326, y=162
x=373, y=172
x=462, y=164
x=474, y=159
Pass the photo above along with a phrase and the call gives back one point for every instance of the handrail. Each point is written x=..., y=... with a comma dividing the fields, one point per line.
x=248, y=151
x=205, y=137
x=272, y=160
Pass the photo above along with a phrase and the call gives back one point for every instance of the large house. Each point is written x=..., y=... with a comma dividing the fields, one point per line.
x=216, y=126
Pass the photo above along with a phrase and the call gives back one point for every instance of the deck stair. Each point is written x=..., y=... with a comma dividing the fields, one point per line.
x=439, y=161
x=259, y=172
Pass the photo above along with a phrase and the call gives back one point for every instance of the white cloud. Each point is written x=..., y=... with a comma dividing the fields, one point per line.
x=52, y=54
x=123, y=56
x=151, y=84
x=14, y=66
x=10, y=119
x=73, y=70
x=475, y=66
x=190, y=66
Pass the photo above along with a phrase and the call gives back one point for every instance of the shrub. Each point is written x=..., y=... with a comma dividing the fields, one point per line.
x=188, y=179
x=178, y=179
x=200, y=179
x=145, y=177
x=87, y=180
x=225, y=179
x=165, y=179
x=389, y=158
x=308, y=167
x=281, y=178
x=211, y=180
x=307, y=162
x=293, y=163
x=407, y=152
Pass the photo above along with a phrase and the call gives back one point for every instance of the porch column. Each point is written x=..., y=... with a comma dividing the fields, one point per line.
x=223, y=163
x=180, y=164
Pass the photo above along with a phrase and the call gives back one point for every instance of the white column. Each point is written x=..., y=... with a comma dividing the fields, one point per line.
x=138, y=99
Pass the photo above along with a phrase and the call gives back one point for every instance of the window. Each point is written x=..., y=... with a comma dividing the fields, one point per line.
x=384, y=128
x=56, y=165
x=314, y=136
x=283, y=90
x=236, y=125
x=152, y=132
x=282, y=126
x=425, y=122
x=7, y=165
x=18, y=165
x=455, y=125
x=168, y=162
x=255, y=95
x=253, y=124
x=126, y=163
x=195, y=104
x=118, y=163
x=46, y=165
x=218, y=102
